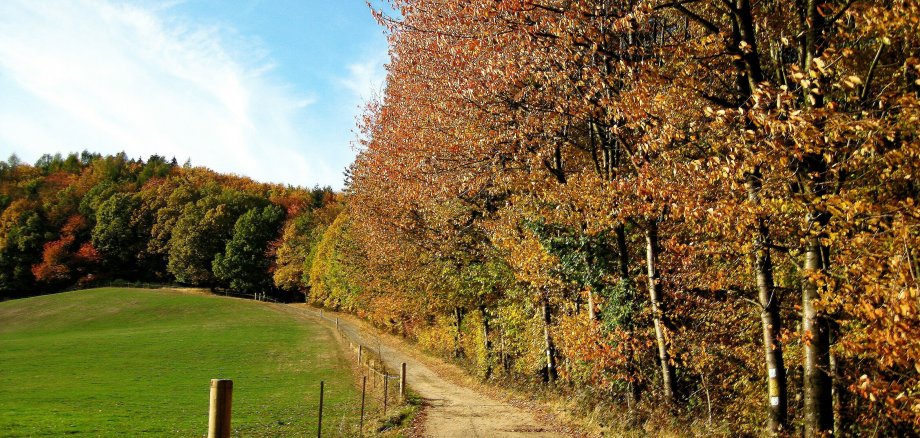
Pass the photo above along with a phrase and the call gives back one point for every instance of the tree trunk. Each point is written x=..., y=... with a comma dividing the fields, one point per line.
x=458, y=315
x=551, y=373
x=486, y=342
x=816, y=327
x=654, y=289
x=836, y=393
x=769, y=316
x=818, y=403
x=503, y=354
x=819, y=413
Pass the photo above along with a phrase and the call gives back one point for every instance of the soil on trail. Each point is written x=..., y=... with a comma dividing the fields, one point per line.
x=450, y=410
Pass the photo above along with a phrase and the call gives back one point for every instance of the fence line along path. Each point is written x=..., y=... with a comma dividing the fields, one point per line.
x=451, y=410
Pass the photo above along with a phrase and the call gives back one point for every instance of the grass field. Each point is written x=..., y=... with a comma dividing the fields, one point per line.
x=128, y=362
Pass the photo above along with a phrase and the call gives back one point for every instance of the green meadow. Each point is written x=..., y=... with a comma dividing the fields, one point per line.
x=129, y=362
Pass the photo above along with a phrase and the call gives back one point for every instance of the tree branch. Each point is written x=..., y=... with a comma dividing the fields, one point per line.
x=708, y=25
x=871, y=73
x=840, y=13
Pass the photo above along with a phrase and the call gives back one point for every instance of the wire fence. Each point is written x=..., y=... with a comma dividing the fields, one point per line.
x=117, y=283
x=381, y=391
x=386, y=391
x=326, y=411
x=257, y=296
x=390, y=388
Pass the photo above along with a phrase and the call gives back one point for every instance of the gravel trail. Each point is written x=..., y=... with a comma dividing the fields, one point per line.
x=450, y=410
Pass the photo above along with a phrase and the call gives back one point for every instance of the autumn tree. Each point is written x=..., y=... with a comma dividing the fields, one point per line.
x=244, y=264
x=115, y=235
x=21, y=232
x=202, y=231
x=713, y=145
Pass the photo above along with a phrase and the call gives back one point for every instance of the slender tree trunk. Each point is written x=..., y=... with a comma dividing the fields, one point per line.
x=654, y=289
x=634, y=390
x=819, y=414
x=773, y=350
x=458, y=316
x=836, y=392
x=486, y=342
x=818, y=383
x=503, y=353
x=769, y=316
x=816, y=327
x=551, y=373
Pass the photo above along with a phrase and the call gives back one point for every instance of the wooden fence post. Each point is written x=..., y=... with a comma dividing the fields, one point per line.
x=360, y=352
x=319, y=423
x=363, y=392
x=385, y=394
x=220, y=409
x=402, y=382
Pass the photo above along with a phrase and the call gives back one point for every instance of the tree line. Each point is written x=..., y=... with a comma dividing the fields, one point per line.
x=87, y=219
x=706, y=208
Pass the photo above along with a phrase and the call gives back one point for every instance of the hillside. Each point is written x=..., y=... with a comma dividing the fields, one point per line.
x=129, y=362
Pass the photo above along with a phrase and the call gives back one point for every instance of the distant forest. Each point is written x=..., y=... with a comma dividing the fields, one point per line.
x=87, y=219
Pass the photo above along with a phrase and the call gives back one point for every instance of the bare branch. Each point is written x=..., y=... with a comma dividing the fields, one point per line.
x=871, y=73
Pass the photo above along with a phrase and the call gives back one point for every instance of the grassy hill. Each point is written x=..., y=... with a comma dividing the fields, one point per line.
x=127, y=362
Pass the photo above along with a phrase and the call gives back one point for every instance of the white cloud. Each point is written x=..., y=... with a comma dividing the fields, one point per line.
x=89, y=74
x=366, y=78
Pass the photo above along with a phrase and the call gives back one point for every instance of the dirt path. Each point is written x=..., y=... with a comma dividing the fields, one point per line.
x=450, y=410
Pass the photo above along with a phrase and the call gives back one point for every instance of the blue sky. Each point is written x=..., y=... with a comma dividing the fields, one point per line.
x=264, y=88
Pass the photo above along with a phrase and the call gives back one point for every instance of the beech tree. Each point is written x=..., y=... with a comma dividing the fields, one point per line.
x=730, y=147
x=114, y=235
x=20, y=246
x=244, y=265
x=202, y=231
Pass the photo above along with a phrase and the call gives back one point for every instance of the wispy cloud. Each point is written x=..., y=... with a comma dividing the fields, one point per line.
x=365, y=79
x=104, y=76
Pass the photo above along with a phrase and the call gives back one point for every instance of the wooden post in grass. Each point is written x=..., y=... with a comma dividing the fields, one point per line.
x=360, y=352
x=219, y=412
x=385, y=394
x=402, y=382
x=337, y=323
x=363, y=392
x=319, y=423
